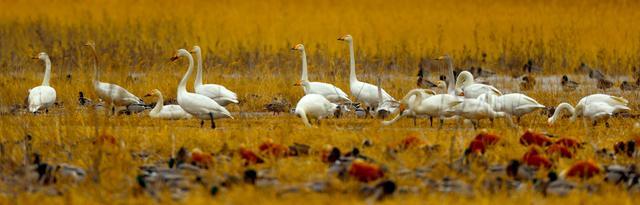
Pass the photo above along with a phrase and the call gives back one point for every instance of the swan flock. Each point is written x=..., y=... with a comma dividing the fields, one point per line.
x=463, y=98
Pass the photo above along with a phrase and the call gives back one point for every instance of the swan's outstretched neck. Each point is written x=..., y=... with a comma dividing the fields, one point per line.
x=304, y=76
x=96, y=74
x=198, y=82
x=182, y=87
x=159, y=103
x=452, y=80
x=352, y=63
x=47, y=71
x=556, y=114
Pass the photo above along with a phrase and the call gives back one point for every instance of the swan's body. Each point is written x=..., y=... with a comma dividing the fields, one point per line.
x=420, y=104
x=169, y=112
x=108, y=92
x=43, y=96
x=329, y=91
x=474, y=109
x=199, y=106
x=608, y=99
x=361, y=91
x=466, y=86
x=515, y=104
x=314, y=106
x=594, y=111
x=219, y=93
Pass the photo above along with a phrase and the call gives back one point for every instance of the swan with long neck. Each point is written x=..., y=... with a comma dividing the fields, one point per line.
x=43, y=96
x=219, y=93
x=608, y=99
x=465, y=86
x=476, y=110
x=109, y=92
x=314, y=106
x=594, y=111
x=169, y=112
x=419, y=102
x=199, y=106
x=329, y=91
x=361, y=91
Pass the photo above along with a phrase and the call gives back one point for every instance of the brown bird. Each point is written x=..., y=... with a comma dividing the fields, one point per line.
x=604, y=84
x=628, y=86
x=532, y=138
x=528, y=82
x=568, y=85
x=277, y=106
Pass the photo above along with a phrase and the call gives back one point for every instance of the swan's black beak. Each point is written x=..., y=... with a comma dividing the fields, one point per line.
x=174, y=58
x=34, y=57
x=147, y=95
x=293, y=48
x=192, y=52
x=341, y=39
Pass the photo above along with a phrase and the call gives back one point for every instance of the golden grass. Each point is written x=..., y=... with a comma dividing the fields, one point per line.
x=246, y=48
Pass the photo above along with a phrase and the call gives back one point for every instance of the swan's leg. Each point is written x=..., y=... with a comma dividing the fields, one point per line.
x=46, y=110
x=606, y=123
x=414, y=121
x=201, y=123
x=431, y=120
x=518, y=119
x=595, y=123
x=213, y=124
x=441, y=123
x=113, y=110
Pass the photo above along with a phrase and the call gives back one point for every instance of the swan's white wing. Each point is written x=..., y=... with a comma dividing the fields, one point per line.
x=329, y=91
x=216, y=91
x=368, y=93
x=200, y=106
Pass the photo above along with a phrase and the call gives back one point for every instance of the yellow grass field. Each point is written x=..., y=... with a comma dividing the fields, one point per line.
x=247, y=47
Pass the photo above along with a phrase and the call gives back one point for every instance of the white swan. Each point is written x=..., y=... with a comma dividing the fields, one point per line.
x=314, y=106
x=169, y=112
x=465, y=86
x=329, y=91
x=362, y=91
x=199, y=106
x=476, y=110
x=424, y=104
x=608, y=99
x=219, y=93
x=594, y=111
x=43, y=96
x=514, y=104
x=108, y=92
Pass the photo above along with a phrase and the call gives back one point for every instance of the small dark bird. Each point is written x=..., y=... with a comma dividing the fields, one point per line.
x=604, y=84
x=628, y=86
x=568, y=85
x=277, y=106
x=596, y=74
x=529, y=67
x=528, y=82
x=83, y=100
x=481, y=72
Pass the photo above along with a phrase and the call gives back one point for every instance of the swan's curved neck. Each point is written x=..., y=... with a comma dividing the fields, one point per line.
x=47, y=71
x=304, y=76
x=562, y=106
x=159, y=104
x=182, y=87
x=418, y=98
x=198, y=82
x=352, y=63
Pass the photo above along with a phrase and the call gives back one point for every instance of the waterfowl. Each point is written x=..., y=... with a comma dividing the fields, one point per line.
x=584, y=169
x=528, y=82
x=465, y=86
x=169, y=112
x=568, y=85
x=362, y=91
x=43, y=96
x=626, y=86
x=199, y=106
x=218, y=93
x=111, y=93
x=514, y=104
x=276, y=106
x=82, y=100
x=530, y=137
x=422, y=82
x=314, y=106
x=481, y=72
x=329, y=91
x=476, y=110
x=529, y=67
x=604, y=84
x=423, y=104
x=594, y=111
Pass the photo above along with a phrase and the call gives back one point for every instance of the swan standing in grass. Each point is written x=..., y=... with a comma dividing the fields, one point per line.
x=425, y=104
x=608, y=99
x=169, y=112
x=329, y=91
x=199, y=106
x=594, y=111
x=43, y=96
x=362, y=91
x=314, y=106
x=514, y=104
x=108, y=92
x=219, y=93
